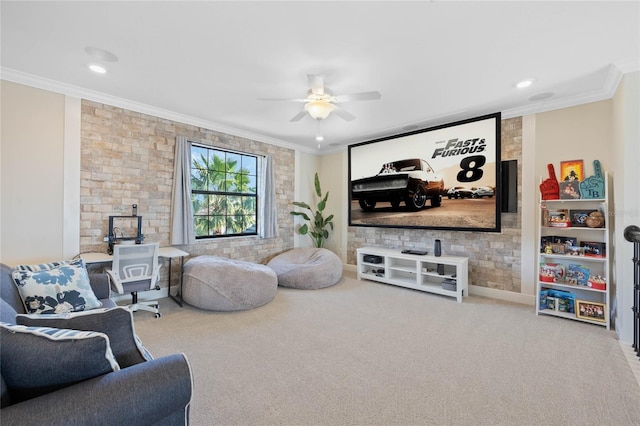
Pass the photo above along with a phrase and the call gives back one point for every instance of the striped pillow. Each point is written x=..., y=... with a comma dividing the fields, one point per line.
x=38, y=360
x=43, y=266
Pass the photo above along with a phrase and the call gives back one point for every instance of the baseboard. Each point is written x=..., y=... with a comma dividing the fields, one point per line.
x=349, y=268
x=508, y=296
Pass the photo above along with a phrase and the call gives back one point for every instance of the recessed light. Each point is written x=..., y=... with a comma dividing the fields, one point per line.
x=524, y=83
x=319, y=138
x=98, y=69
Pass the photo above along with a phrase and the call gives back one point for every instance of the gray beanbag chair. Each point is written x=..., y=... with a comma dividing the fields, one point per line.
x=220, y=284
x=307, y=268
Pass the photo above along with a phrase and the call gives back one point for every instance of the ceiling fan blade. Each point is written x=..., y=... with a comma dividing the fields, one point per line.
x=299, y=116
x=316, y=82
x=343, y=114
x=362, y=96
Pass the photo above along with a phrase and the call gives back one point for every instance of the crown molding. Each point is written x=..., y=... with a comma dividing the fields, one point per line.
x=614, y=76
x=90, y=95
x=607, y=91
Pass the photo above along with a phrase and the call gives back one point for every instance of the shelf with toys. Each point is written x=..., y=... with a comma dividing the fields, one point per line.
x=574, y=234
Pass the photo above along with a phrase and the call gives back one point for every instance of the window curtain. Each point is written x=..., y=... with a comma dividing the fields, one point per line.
x=182, y=231
x=268, y=217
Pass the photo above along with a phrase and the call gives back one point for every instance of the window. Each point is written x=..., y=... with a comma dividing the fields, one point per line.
x=223, y=192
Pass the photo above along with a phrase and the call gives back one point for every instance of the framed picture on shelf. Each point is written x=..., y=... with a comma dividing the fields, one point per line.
x=569, y=190
x=593, y=311
x=571, y=171
x=559, y=218
x=594, y=249
x=579, y=217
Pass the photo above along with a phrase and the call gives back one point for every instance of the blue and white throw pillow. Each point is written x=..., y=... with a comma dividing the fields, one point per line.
x=57, y=289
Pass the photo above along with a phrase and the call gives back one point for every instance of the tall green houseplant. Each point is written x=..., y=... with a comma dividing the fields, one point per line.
x=316, y=226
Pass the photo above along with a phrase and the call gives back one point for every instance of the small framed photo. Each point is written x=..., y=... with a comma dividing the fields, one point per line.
x=593, y=311
x=569, y=190
x=572, y=171
x=594, y=249
x=559, y=218
x=579, y=217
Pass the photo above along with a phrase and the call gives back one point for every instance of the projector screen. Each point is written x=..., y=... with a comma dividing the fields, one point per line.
x=444, y=177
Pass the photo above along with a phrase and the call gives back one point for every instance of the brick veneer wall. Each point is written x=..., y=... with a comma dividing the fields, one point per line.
x=127, y=158
x=494, y=258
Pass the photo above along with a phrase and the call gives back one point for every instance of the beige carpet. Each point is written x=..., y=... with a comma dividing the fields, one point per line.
x=364, y=353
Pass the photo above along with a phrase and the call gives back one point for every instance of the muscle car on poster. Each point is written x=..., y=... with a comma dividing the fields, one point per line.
x=411, y=181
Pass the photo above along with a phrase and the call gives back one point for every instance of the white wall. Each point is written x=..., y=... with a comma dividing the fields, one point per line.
x=306, y=165
x=32, y=175
x=580, y=132
x=626, y=149
x=333, y=178
x=332, y=173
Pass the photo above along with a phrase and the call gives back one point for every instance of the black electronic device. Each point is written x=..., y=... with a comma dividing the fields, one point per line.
x=437, y=248
x=418, y=252
x=509, y=187
x=112, y=238
x=370, y=258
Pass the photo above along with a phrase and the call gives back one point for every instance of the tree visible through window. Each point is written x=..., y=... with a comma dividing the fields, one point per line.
x=223, y=192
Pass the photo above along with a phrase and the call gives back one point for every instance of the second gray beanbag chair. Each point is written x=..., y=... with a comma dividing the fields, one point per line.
x=307, y=268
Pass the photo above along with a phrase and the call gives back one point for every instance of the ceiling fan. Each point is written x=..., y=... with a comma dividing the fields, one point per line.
x=320, y=101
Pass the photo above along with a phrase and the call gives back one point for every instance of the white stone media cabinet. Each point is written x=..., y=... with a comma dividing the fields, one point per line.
x=418, y=272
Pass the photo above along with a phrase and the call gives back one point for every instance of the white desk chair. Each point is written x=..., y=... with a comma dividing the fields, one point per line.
x=136, y=268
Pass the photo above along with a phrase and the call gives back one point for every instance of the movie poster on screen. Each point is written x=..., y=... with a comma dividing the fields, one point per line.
x=446, y=177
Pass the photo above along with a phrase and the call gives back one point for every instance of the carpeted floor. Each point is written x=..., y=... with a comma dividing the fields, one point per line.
x=364, y=353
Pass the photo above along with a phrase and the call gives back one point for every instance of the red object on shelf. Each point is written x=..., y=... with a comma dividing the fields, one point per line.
x=597, y=285
x=560, y=224
x=551, y=272
x=550, y=188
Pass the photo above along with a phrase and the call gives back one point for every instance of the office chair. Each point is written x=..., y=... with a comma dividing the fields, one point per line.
x=135, y=268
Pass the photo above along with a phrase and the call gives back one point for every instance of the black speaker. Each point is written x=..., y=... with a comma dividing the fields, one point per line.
x=509, y=186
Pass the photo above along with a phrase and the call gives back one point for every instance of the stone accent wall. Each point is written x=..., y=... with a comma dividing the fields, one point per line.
x=494, y=258
x=127, y=158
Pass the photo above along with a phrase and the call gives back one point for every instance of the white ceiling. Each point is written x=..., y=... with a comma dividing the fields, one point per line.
x=434, y=62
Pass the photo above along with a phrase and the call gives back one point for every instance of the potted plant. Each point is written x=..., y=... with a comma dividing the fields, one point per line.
x=316, y=226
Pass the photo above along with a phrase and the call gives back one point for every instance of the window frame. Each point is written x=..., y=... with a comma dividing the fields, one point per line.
x=254, y=196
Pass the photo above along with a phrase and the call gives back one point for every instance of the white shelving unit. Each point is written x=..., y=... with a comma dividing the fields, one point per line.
x=598, y=266
x=417, y=272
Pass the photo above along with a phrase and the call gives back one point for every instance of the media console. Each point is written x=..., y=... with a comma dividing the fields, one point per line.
x=444, y=275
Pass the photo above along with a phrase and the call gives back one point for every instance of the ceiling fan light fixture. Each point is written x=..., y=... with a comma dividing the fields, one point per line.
x=98, y=69
x=525, y=83
x=319, y=109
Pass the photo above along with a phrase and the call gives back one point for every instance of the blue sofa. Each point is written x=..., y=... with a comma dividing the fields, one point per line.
x=124, y=387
